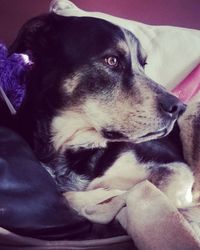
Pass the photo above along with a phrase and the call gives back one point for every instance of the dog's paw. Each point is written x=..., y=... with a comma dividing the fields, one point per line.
x=105, y=211
x=80, y=200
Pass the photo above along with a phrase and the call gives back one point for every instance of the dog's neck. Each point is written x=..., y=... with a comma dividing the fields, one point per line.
x=71, y=130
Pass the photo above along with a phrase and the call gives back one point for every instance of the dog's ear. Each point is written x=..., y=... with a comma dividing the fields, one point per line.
x=34, y=38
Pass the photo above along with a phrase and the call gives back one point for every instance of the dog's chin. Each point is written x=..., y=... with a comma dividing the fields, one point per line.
x=151, y=135
x=157, y=134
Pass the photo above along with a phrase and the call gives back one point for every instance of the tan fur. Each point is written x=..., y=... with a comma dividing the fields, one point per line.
x=124, y=174
x=189, y=123
x=72, y=82
x=71, y=128
x=122, y=46
x=117, y=112
x=82, y=125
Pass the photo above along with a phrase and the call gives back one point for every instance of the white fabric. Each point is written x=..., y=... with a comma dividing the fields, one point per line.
x=172, y=52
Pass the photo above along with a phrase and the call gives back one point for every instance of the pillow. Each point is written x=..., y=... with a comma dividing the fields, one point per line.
x=172, y=52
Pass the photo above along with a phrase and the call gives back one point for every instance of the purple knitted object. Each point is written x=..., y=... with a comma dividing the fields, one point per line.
x=12, y=75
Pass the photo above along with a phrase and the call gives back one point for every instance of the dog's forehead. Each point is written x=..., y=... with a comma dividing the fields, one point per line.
x=120, y=38
x=103, y=32
x=93, y=27
x=94, y=37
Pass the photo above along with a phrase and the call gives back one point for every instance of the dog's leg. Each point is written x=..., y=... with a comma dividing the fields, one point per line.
x=98, y=205
x=175, y=180
x=189, y=124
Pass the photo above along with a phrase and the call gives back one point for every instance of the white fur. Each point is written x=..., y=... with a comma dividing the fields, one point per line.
x=179, y=185
x=80, y=200
x=70, y=129
x=123, y=174
x=70, y=84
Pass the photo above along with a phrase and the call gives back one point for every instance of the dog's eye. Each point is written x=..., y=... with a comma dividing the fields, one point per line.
x=112, y=61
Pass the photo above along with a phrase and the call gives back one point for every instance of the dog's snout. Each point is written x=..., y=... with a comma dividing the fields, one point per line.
x=171, y=105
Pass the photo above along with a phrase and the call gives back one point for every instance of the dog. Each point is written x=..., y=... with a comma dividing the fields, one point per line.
x=92, y=115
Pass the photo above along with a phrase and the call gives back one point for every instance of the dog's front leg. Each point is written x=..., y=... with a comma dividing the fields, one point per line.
x=189, y=124
x=98, y=205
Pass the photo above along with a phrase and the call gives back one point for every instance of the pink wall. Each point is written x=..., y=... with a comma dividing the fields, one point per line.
x=185, y=13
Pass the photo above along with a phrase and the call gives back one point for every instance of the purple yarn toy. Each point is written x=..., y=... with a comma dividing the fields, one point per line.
x=12, y=75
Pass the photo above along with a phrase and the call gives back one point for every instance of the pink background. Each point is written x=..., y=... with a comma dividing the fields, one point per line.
x=184, y=13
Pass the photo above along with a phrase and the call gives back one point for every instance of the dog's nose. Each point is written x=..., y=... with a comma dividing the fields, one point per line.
x=171, y=105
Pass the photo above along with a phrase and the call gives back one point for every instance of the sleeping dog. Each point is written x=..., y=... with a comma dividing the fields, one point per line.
x=91, y=114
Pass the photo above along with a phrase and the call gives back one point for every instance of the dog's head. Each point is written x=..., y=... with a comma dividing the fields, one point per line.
x=92, y=74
